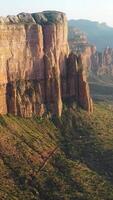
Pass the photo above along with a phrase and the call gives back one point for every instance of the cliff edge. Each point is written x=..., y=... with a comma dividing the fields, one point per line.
x=36, y=69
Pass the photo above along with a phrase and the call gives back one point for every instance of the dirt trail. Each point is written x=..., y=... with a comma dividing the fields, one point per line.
x=47, y=159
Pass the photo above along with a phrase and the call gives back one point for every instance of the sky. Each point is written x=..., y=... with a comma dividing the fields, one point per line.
x=95, y=10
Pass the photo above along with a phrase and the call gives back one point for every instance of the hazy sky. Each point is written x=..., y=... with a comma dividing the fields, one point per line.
x=99, y=10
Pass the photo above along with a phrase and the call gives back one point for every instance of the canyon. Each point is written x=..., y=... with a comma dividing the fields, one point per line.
x=53, y=144
x=99, y=63
x=98, y=34
x=37, y=70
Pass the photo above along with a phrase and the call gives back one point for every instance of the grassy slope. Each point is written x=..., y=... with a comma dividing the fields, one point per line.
x=79, y=151
x=101, y=87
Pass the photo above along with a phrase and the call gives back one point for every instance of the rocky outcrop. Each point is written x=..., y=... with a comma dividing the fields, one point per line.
x=77, y=81
x=78, y=40
x=33, y=65
x=102, y=62
x=78, y=43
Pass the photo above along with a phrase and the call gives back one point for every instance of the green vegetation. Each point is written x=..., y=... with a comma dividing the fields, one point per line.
x=63, y=159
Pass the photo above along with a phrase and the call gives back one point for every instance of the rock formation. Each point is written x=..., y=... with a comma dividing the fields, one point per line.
x=35, y=70
x=77, y=81
x=98, y=63
x=77, y=39
x=78, y=43
x=102, y=62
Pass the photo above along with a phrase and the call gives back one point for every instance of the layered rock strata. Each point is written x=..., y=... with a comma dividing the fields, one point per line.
x=35, y=65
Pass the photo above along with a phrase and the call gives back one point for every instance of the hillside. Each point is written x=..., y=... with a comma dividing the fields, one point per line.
x=61, y=159
x=98, y=34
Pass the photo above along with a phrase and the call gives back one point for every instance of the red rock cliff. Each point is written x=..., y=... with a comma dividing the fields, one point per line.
x=33, y=65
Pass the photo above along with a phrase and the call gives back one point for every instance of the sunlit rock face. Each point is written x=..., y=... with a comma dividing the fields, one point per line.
x=33, y=64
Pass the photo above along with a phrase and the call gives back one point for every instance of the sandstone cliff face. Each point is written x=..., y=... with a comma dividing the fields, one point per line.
x=33, y=64
x=77, y=81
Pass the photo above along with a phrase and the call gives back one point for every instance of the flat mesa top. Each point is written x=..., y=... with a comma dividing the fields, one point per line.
x=42, y=18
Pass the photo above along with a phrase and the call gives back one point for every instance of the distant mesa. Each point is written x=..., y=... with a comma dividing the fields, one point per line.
x=99, y=34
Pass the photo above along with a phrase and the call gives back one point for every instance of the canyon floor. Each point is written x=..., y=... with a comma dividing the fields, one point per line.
x=65, y=158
